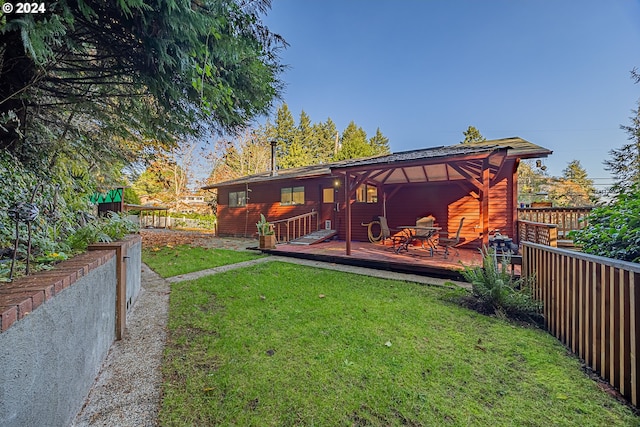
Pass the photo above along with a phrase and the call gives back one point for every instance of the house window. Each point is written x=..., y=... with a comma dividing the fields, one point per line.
x=327, y=195
x=367, y=194
x=237, y=199
x=292, y=196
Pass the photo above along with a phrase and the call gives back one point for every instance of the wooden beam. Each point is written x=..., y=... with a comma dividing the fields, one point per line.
x=484, y=207
x=468, y=176
x=347, y=211
x=502, y=155
x=389, y=172
x=424, y=171
x=405, y=175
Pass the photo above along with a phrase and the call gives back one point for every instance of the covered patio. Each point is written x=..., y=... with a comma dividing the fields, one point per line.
x=474, y=185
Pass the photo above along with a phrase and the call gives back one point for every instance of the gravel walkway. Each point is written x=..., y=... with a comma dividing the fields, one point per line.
x=127, y=391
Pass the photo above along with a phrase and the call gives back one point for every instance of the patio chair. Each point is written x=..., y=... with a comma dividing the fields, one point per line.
x=425, y=235
x=452, y=242
x=386, y=234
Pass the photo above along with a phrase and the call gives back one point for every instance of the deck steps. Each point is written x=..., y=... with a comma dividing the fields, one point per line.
x=315, y=237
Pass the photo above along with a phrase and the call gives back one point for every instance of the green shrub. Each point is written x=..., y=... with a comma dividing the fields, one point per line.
x=105, y=229
x=498, y=291
x=614, y=230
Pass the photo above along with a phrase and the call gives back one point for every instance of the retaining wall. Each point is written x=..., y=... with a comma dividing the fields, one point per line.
x=56, y=328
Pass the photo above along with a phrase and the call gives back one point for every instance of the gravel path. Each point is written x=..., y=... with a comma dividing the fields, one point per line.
x=127, y=391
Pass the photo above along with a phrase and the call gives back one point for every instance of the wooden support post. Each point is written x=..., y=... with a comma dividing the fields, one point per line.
x=121, y=283
x=484, y=208
x=347, y=210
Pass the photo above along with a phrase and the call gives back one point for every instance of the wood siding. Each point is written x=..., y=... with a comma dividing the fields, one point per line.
x=265, y=198
x=447, y=201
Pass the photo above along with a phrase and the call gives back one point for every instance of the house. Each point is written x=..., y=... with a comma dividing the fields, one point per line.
x=477, y=181
x=193, y=203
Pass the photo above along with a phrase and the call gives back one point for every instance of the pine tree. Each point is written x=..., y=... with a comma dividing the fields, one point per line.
x=325, y=141
x=379, y=143
x=285, y=135
x=354, y=143
x=624, y=164
x=472, y=135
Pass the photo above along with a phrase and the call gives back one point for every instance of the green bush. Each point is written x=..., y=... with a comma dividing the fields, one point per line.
x=105, y=229
x=498, y=291
x=614, y=229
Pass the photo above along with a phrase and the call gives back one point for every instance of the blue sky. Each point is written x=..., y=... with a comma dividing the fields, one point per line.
x=554, y=72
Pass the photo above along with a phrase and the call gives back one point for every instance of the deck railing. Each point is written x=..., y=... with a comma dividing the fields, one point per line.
x=567, y=219
x=592, y=305
x=294, y=227
x=538, y=232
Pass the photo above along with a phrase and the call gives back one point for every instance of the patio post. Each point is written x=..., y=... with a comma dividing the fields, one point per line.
x=486, y=180
x=347, y=198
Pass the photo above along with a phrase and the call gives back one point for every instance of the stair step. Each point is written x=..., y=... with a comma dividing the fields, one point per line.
x=315, y=237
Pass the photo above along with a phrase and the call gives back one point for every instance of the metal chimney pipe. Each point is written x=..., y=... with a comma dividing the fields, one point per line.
x=274, y=172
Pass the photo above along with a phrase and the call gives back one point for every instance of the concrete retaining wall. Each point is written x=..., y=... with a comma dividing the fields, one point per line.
x=52, y=352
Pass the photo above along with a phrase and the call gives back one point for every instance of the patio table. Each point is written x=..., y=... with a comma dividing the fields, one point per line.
x=411, y=232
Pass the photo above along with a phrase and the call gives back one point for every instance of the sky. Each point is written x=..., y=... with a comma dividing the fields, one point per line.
x=554, y=72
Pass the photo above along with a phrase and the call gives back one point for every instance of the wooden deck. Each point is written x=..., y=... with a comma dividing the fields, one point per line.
x=383, y=257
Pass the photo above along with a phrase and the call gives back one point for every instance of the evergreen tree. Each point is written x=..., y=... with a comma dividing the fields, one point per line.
x=285, y=135
x=379, y=143
x=472, y=135
x=300, y=151
x=110, y=79
x=354, y=143
x=624, y=164
x=324, y=141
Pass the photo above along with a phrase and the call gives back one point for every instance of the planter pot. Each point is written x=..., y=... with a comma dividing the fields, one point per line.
x=268, y=241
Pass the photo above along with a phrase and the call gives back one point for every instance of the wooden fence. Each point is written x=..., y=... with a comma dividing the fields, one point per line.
x=591, y=304
x=567, y=219
x=538, y=232
x=294, y=227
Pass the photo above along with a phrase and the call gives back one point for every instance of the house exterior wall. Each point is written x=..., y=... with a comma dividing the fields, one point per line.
x=265, y=198
x=448, y=202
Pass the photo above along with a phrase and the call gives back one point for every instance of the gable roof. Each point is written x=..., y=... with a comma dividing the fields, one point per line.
x=417, y=159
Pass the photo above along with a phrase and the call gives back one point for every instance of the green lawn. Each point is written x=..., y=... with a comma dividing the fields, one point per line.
x=277, y=344
x=170, y=261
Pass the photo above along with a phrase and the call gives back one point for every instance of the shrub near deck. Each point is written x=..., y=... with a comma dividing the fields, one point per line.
x=280, y=344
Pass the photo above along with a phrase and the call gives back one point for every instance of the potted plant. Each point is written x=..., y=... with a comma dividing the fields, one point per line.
x=265, y=234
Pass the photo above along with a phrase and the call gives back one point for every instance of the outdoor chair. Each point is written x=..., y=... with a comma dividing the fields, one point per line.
x=425, y=235
x=452, y=242
x=386, y=234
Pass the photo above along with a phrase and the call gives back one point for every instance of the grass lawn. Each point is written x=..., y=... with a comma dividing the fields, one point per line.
x=170, y=261
x=278, y=344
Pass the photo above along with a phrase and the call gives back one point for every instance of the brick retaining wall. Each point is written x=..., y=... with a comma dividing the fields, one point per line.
x=56, y=329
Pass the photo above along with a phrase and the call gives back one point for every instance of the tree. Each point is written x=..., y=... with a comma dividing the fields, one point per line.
x=299, y=151
x=624, y=163
x=379, y=143
x=107, y=80
x=532, y=183
x=285, y=135
x=472, y=135
x=614, y=229
x=354, y=143
x=325, y=141
x=249, y=153
x=574, y=188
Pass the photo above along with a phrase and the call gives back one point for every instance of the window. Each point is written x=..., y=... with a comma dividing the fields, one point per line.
x=237, y=199
x=327, y=195
x=367, y=194
x=292, y=196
